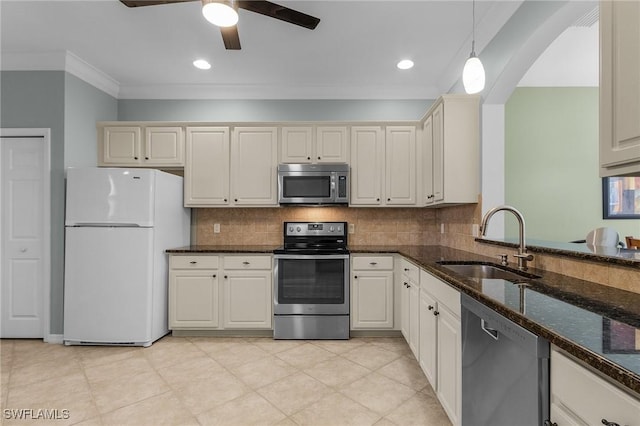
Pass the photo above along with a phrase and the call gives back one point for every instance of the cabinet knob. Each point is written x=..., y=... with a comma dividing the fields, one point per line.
x=608, y=423
x=225, y=277
x=388, y=199
x=214, y=275
x=225, y=200
x=235, y=199
x=146, y=158
x=135, y=158
x=430, y=307
x=318, y=158
x=377, y=199
x=436, y=313
x=308, y=158
x=548, y=423
x=406, y=269
x=355, y=276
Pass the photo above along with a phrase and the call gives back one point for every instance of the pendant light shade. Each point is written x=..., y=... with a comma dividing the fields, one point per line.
x=473, y=72
x=473, y=75
x=219, y=13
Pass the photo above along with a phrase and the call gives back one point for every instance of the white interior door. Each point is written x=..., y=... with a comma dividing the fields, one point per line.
x=24, y=232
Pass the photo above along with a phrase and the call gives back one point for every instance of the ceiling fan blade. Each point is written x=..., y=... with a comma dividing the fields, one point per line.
x=137, y=3
x=230, y=37
x=280, y=12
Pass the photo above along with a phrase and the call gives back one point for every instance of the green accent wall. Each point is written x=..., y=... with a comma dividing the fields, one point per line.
x=551, y=164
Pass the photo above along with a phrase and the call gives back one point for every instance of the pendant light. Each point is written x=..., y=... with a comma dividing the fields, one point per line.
x=473, y=72
x=220, y=13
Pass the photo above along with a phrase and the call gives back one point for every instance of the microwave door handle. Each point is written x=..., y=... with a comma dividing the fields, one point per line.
x=333, y=187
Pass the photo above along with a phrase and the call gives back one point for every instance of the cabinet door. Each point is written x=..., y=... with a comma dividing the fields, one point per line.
x=619, y=86
x=449, y=360
x=206, y=170
x=372, y=299
x=404, y=308
x=367, y=153
x=296, y=145
x=120, y=146
x=193, y=299
x=164, y=146
x=427, y=343
x=427, y=162
x=400, y=175
x=414, y=320
x=247, y=299
x=438, y=153
x=332, y=145
x=254, y=161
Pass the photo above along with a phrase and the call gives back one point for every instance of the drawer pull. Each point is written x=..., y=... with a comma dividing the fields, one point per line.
x=246, y=263
x=548, y=423
x=373, y=263
x=608, y=423
x=193, y=262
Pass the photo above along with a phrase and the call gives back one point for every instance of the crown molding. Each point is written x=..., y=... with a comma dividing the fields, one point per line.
x=60, y=61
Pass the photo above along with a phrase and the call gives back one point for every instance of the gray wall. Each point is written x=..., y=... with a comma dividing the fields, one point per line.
x=70, y=108
x=84, y=105
x=271, y=110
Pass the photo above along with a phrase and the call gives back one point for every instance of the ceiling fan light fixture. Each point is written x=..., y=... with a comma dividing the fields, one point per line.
x=473, y=77
x=220, y=13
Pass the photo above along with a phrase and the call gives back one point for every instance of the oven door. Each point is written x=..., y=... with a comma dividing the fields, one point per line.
x=311, y=284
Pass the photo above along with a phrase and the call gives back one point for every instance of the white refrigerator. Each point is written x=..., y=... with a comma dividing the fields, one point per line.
x=119, y=222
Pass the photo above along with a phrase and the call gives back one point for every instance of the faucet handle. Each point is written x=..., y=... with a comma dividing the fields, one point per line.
x=525, y=256
x=504, y=259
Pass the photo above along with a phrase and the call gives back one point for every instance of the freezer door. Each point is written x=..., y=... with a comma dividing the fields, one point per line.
x=108, y=285
x=99, y=196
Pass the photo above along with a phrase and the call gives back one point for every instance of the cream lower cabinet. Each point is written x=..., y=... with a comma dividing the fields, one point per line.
x=211, y=292
x=619, y=88
x=246, y=289
x=581, y=397
x=440, y=342
x=371, y=292
x=410, y=298
x=194, y=292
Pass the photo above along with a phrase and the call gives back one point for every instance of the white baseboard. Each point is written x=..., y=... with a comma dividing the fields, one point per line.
x=56, y=339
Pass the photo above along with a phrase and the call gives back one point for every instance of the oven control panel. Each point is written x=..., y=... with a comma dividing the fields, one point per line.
x=315, y=228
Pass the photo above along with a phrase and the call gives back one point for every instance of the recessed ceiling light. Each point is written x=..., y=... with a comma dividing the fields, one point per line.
x=405, y=64
x=201, y=64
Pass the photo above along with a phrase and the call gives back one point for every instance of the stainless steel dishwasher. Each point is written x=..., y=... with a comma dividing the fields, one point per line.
x=505, y=370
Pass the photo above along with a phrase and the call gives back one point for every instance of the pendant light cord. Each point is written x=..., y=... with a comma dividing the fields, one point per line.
x=473, y=29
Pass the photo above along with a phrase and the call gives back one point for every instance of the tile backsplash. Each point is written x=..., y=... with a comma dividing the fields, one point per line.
x=393, y=226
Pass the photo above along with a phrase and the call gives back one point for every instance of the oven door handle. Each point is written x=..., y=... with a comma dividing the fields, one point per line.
x=310, y=256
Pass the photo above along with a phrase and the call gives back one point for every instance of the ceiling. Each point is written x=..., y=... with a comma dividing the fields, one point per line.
x=147, y=52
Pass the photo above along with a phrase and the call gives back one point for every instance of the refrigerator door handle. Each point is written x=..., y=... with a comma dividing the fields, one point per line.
x=106, y=225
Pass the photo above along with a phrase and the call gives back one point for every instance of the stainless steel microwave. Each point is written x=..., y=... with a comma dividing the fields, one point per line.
x=317, y=184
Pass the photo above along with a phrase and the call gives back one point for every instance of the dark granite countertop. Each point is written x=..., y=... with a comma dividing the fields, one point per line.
x=223, y=249
x=595, y=323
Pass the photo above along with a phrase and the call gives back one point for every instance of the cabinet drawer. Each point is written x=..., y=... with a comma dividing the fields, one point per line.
x=372, y=263
x=193, y=262
x=410, y=270
x=247, y=262
x=588, y=396
x=445, y=294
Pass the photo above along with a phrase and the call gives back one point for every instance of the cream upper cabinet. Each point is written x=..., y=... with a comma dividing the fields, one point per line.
x=579, y=396
x=400, y=171
x=206, y=170
x=296, y=145
x=367, y=165
x=124, y=146
x=300, y=144
x=371, y=292
x=451, y=151
x=619, y=87
x=332, y=144
x=254, y=161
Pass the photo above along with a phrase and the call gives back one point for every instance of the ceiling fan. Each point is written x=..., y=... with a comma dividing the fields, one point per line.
x=230, y=33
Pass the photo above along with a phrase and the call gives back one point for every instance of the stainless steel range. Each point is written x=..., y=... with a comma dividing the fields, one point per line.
x=311, y=282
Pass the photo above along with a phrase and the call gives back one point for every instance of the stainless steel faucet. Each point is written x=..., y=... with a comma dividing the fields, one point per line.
x=522, y=255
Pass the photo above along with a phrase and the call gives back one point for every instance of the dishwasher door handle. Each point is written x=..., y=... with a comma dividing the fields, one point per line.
x=490, y=331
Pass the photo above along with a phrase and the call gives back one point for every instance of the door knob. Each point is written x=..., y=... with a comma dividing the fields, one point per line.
x=23, y=250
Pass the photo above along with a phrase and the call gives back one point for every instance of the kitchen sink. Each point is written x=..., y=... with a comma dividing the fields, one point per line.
x=484, y=270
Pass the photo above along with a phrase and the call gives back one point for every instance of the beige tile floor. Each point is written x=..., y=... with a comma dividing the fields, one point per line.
x=219, y=381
